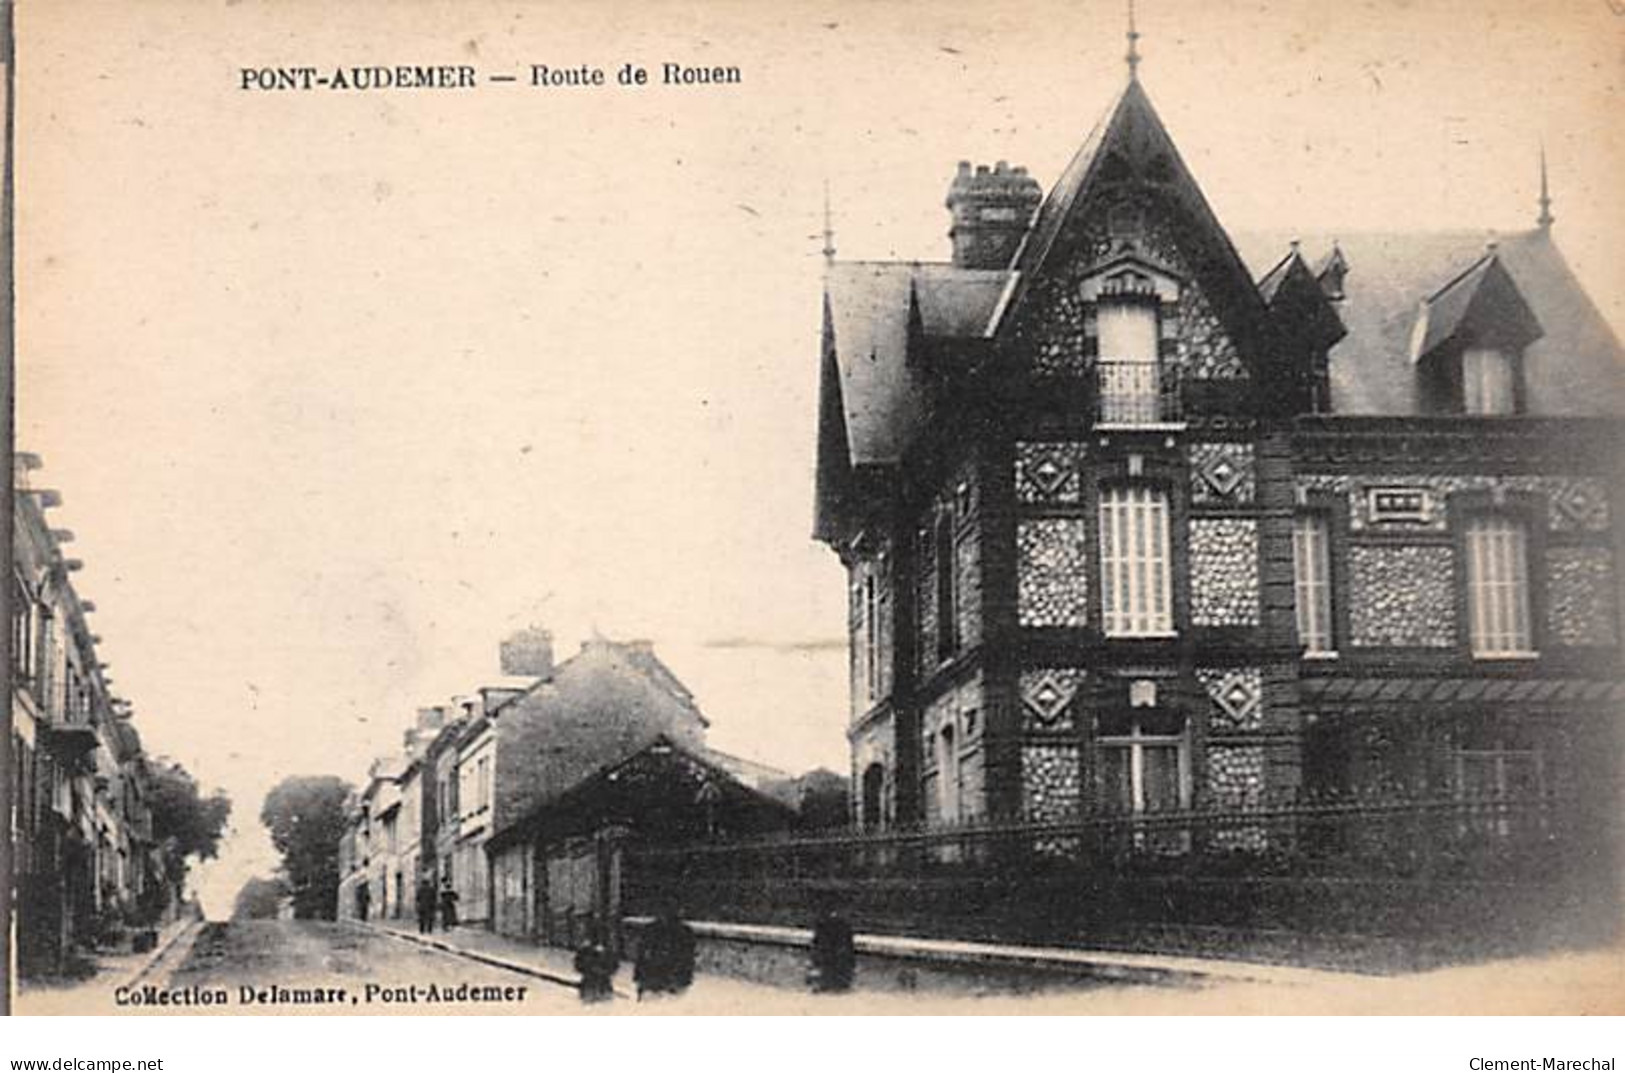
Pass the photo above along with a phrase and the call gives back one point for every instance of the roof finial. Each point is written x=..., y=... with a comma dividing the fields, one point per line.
x=829, y=229
x=1544, y=222
x=1133, y=56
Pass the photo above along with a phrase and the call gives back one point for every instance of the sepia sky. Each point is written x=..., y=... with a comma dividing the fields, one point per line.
x=340, y=387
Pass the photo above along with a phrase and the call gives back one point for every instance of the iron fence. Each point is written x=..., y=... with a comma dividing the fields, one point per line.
x=1448, y=869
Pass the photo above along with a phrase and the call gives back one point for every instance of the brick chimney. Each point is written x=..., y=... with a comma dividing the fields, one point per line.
x=991, y=208
x=528, y=653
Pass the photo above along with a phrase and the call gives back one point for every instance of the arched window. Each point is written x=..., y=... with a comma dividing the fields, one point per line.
x=872, y=810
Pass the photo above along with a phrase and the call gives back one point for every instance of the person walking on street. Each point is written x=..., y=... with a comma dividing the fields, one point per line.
x=665, y=964
x=448, y=905
x=426, y=900
x=596, y=963
x=834, y=956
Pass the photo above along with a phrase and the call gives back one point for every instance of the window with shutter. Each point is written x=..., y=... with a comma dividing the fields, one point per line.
x=1134, y=562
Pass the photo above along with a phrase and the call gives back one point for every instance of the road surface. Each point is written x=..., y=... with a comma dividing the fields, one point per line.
x=262, y=967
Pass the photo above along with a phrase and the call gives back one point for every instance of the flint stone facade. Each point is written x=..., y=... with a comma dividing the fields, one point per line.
x=1109, y=471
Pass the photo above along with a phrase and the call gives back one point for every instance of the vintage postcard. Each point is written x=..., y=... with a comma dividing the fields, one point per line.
x=1056, y=506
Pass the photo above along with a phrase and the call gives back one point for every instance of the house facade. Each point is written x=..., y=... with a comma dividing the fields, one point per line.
x=86, y=862
x=1139, y=517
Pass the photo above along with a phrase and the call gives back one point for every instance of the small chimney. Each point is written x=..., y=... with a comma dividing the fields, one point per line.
x=991, y=208
x=528, y=653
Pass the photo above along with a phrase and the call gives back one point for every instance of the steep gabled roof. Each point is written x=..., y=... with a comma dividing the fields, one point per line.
x=1577, y=368
x=871, y=304
x=871, y=385
x=1130, y=142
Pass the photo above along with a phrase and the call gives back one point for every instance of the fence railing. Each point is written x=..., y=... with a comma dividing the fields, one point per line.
x=1392, y=867
x=1136, y=392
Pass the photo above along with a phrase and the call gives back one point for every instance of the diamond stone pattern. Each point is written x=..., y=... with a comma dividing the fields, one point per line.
x=1049, y=472
x=1048, y=696
x=1222, y=473
x=1238, y=697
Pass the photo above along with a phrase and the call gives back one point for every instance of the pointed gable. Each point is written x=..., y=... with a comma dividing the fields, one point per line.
x=1128, y=166
x=1302, y=313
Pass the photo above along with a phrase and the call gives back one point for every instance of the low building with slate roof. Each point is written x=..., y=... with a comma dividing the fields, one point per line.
x=1139, y=516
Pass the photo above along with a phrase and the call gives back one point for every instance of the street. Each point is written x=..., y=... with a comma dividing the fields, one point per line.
x=312, y=967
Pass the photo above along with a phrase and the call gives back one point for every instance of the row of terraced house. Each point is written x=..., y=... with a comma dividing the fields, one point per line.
x=88, y=867
x=517, y=796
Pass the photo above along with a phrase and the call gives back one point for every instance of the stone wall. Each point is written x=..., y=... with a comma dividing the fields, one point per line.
x=1047, y=696
x=1580, y=596
x=1224, y=571
x=877, y=567
x=1051, y=782
x=1059, y=335
x=1050, y=472
x=1222, y=473
x=1052, y=570
x=961, y=707
x=1237, y=695
x=1573, y=504
x=1402, y=596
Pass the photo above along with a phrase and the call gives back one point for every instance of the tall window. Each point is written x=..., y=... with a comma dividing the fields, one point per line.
x=1129, y=385
x=1144, y=767
x=22, y=631
x=1488, y=382
x=947, y=775
x=871, y=634
x=1498, y=586
x=1311, y=561
x=947, y=588
x=1134, y=567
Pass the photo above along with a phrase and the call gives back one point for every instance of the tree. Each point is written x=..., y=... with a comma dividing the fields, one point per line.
x=819, y=798
x=259, y=899
x=305, y=815
x=184, y=822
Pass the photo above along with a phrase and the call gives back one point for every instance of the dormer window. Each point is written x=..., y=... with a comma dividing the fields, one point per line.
x=1468, y=341
x=1488, y=382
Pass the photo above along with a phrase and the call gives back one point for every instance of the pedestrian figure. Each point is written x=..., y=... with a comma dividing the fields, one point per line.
x=426, y=900
x=834, y=957
x=596, y=963
x=665, y=964
x=448, y=905
x=363, y=900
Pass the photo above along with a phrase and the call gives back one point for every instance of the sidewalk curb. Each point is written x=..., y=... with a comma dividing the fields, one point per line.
x=181, y=940
x=572, y=982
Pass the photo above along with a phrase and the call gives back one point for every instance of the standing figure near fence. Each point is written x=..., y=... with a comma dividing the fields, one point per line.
x=448, y=905
x=834, y=956
x=596, y=963
x=665, y=964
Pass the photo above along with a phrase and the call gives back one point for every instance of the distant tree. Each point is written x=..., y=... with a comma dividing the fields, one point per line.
x=819, y=798
x=259, y=899
x=305, y=815
x=184, y=822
